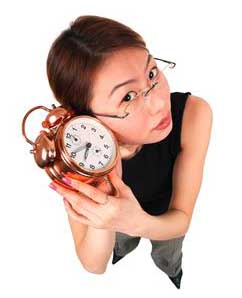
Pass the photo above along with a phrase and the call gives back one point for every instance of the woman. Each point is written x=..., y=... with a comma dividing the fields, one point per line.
x=100, y=67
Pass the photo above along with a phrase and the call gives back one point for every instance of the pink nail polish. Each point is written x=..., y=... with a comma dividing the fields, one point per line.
x=66, y=180
x=52, y=186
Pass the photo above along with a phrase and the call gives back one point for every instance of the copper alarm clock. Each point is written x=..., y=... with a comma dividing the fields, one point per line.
x=80, y=145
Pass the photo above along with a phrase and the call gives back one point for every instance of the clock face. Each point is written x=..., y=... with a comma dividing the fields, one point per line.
x=89, y=144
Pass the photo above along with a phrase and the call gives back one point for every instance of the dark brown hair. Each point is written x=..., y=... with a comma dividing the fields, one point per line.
x=79, y=51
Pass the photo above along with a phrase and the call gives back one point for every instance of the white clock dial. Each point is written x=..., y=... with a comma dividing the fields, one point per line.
x=75, y=139
x=89, y=144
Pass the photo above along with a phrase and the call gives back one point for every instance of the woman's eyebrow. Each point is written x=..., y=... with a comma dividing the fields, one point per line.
x=130, y=80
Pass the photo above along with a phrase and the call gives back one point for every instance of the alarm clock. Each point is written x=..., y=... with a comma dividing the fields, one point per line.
x=81, y=146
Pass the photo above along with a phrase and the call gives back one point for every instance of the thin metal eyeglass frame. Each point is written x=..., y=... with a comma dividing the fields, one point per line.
x=143, y=92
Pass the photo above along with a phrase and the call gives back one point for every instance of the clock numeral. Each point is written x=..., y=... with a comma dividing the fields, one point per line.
x=100, y=163
x=101, y=136
x=106, y=156
x=68, y=135
x=68, y=145
x=81, y=164
x=93, y=129
x=74, y=128
x=106, y=146
x=73, y=154
x=83, y=126
x=92, y=166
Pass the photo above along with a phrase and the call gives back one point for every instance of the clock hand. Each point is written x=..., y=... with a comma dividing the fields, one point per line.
x=86, y=154
x=80, y=148
x=87, y=150
x=74, y=138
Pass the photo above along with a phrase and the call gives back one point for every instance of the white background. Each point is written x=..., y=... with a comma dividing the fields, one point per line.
x=37, y=257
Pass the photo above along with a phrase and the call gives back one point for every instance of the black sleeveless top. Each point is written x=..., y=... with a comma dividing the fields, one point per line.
x=149, y=172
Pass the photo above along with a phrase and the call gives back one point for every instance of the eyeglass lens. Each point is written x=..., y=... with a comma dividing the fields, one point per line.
x=138, y=103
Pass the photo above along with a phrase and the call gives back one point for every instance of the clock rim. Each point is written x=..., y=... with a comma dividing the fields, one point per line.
x=68, y=160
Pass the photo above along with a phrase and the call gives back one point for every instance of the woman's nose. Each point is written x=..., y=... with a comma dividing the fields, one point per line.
x=156, y=103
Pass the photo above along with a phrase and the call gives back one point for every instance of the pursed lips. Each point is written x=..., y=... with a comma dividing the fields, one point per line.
x=164, y=119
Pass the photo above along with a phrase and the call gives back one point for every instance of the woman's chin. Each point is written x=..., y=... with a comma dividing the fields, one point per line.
x=161, y=134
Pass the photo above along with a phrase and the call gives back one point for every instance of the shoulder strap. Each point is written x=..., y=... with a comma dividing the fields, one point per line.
x=178, y=101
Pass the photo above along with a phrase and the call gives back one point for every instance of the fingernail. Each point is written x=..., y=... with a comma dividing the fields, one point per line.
x=66, y=180
x=52, y=186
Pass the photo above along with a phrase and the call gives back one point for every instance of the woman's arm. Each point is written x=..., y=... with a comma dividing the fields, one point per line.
x=96, y=249
x=93, y=246
x=187, y=176
x=171, y=224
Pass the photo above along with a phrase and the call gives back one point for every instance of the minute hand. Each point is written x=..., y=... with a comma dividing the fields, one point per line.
x=87, y=150
x=80, y=148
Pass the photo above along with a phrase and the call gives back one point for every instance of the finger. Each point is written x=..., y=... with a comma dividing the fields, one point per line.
x=116, y=181
x=87, y=189
x=73, y=195
x=104, y=185
x=75, y=198
x=82, y=211
x=73, y=214
x=111, y=190
x=79, y=201
x=101, y=183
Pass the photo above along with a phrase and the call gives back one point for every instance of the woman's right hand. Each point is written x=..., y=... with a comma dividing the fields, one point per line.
x=120, y=211
x=74, y=210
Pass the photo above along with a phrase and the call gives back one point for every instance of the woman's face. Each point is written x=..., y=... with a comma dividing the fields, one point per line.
x=136, y=128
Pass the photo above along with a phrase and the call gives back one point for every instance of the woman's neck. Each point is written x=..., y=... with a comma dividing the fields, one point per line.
x=128, y=151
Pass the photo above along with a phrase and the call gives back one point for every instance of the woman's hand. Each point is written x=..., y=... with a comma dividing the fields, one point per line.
x=88, y=206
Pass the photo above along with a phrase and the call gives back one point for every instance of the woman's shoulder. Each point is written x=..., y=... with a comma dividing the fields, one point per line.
x=196, y=110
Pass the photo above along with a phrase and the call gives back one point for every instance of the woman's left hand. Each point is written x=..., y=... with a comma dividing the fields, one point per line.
x=122, y=212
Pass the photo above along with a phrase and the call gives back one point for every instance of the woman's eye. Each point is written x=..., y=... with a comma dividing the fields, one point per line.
x=129, y=96
x=154, y=71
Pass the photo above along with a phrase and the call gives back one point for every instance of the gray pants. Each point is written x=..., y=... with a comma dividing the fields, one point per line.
x=166, y=254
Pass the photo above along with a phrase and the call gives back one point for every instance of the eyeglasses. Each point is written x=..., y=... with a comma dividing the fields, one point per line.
x=134, y=105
